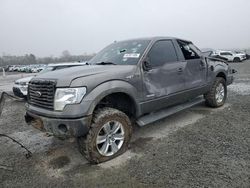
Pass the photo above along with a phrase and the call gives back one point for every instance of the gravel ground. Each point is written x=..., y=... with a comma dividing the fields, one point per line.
x=199, y=147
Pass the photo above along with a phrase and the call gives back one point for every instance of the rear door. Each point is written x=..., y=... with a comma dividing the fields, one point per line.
x=195, y=73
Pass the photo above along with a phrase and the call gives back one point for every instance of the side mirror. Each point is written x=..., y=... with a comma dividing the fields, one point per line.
x=146, y=66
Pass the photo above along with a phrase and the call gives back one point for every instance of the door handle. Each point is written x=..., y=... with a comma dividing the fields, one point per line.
x=180, y=70
x=202, y=65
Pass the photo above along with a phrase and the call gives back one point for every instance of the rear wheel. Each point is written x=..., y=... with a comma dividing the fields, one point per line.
x=217, y=95
x=236, y=59
x=108, y=137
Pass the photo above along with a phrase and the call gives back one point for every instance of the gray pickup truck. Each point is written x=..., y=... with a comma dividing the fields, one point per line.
x=130, y=82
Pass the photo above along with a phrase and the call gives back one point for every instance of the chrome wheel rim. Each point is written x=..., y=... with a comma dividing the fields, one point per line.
x=220, y=93
x=110, y=138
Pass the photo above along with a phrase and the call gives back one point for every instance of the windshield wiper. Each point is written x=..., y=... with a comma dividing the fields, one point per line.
x=106, y=63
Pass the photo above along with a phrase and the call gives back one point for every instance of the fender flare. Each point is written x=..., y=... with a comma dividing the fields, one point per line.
x=110, y=87
x=221, y=69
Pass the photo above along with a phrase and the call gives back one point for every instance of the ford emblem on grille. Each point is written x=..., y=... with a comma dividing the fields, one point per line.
x=38, y=93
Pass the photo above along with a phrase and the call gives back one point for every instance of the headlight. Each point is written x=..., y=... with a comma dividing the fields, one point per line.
x=23, y=83
x=24, y=88
x=66, y=96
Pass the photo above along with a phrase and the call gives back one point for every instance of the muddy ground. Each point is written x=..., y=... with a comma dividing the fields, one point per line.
x=198, y=147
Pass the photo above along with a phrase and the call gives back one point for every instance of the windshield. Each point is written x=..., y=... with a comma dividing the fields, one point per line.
x=121, y=53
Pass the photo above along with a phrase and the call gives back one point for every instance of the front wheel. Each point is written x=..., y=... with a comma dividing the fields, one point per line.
x=217, y=95
x=108, y=137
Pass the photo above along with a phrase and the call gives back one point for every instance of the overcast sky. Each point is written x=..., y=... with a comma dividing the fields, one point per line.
x=47, y=27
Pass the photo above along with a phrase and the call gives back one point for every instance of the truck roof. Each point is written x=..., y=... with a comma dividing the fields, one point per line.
x=159, y=38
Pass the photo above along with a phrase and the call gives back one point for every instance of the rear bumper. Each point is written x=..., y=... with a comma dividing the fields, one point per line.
x=62, y=128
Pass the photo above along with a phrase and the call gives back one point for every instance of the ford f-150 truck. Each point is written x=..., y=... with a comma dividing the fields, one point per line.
x=130, y=82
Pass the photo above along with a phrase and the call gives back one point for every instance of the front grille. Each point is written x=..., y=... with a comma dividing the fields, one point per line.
x=41, y=93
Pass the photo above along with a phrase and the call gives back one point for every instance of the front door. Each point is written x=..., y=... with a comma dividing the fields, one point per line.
x=164, y=77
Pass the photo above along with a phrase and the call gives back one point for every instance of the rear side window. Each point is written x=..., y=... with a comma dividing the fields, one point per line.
x=162, y=52
x=189, y=50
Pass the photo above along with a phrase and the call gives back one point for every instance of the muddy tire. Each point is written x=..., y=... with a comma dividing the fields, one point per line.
x=217, y=95
x=108, y=137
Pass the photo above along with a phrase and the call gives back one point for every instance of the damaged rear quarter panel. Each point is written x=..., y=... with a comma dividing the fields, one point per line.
x=214, y=68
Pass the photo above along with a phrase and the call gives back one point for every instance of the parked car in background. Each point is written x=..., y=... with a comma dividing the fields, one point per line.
x=243, y=54
x=27, y=68
x=21, y=85
x=248, y=56
x=208, y=52
x=11, y=68
x=231, y=56
x=16, y=68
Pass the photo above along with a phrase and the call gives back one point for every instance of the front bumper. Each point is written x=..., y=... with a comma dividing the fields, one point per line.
x=242, y=58
x=62, y=128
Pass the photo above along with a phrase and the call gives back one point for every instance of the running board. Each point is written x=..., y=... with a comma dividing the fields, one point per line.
x=155, y=116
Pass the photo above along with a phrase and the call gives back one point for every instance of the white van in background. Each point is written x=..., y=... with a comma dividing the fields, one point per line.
x=231, y=56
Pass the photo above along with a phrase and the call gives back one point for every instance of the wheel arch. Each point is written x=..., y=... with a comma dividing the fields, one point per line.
x=222, y=75
x=237, y=59
x=120, y=101
x=112, y=90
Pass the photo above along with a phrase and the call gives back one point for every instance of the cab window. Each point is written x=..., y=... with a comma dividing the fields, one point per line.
x=162, y=52
x=189, y=50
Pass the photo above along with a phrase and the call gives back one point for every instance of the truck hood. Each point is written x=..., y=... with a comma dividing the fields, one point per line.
x=64, y=77
x=26, y=79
